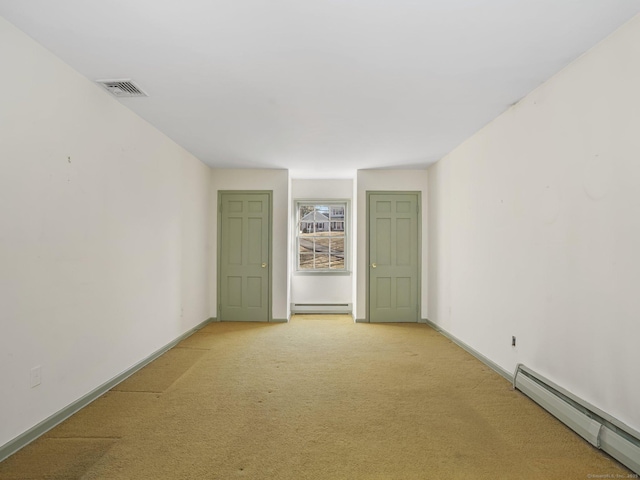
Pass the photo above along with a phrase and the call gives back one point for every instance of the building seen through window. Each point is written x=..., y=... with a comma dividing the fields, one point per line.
x=321, y=236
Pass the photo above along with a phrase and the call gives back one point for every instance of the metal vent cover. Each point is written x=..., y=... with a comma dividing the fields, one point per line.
x=122, y=88
x=598, y=428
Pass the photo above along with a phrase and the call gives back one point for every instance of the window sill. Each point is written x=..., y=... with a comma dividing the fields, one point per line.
x=311, y=273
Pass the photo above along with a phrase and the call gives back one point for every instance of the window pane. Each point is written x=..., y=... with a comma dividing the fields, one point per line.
x=305, y=228
x=337, y=262
x=322, y=245
x=306, y=261
x=323, y=210
x=306, y=222
x=305, y=209
x=337, y=226
x=337, y=246
x=305, y=245
x=337, y=212
x=321, y=236
x=322, y=261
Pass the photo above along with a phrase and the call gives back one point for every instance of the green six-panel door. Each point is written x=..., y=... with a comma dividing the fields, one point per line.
x=394, y=263
x=245, y=219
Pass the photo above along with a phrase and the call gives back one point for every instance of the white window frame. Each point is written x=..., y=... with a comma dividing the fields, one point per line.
x=347, y=257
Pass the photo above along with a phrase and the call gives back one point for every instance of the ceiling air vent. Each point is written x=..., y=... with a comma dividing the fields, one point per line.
x=122, y=88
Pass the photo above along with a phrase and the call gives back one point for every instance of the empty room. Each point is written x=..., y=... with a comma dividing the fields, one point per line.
x=325, y=239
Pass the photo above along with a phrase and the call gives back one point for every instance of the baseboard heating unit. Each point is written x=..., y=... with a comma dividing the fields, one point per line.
x=598, y=428
x=321, y=308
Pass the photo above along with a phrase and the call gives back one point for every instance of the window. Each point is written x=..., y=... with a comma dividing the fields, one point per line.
x=321, y=235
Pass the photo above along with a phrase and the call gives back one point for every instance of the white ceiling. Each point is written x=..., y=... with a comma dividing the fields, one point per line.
x=321, y=87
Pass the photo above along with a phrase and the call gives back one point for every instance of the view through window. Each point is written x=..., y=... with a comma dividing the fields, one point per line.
x=321, y=235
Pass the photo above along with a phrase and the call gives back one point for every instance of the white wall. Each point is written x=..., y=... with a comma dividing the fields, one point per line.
x=388, y=180
x=249, y=179
x=308, y=288
x=195, y=245
x=103, y=224
x=535, y=230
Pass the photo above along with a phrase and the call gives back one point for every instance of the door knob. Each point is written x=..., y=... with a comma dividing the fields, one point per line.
x=264, y=265
x=373, y=265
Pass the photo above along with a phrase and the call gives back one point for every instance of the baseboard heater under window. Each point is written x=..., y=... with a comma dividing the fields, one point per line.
x=321, y=308
x=601, y=430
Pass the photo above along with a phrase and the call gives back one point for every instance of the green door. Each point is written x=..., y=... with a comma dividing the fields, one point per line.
x=394, y=261
x=245, y=226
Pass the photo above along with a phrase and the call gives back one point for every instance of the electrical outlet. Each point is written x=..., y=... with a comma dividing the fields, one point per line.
x=513, y=341
x=36, y=376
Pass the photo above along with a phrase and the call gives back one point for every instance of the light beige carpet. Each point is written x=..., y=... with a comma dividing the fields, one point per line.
x=317, y=398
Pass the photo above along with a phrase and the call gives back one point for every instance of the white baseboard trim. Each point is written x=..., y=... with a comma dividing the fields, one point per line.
x=489, y=363
x=21, y=441
x=597, y=427
x=328, y=308
x=612, y=436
